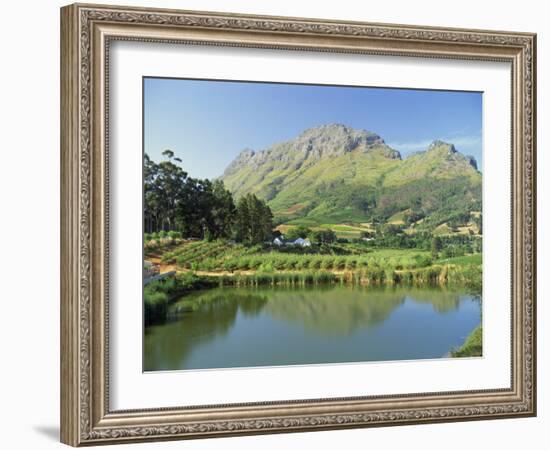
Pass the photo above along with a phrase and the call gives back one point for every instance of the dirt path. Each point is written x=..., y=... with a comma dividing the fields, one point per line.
x=171, y=267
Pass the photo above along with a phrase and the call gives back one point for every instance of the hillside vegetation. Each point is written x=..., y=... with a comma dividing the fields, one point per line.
x=334, y=174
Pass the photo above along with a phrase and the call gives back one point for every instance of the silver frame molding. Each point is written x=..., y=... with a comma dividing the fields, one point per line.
x=86, y=32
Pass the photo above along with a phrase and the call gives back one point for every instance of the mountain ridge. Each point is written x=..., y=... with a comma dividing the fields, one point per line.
x=325, y=140
x=332, y=170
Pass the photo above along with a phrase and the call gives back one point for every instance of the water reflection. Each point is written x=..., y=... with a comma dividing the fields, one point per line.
x=198, y=318
x=319, y=311
x=234, y=327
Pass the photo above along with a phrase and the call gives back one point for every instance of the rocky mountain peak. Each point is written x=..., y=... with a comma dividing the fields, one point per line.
x=313, y=144
x=439, y=144
x=449, y=153
x=242, y=159
x=472, y=161
x=246, y=153
x=339, y=136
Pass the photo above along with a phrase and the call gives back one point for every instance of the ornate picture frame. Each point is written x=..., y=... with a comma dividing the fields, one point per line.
x=87, y=32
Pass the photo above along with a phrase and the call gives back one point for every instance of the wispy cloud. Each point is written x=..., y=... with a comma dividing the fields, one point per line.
x=410, y=146
x=464, y=142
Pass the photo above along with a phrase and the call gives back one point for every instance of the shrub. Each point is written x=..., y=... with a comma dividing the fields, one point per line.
x=154, y=305
x=351, y=263
x=230, y=264
x=174, y=235
x=183, y=261
x=256, y=263
x=168, y=258
x=316, y=263
x=266, y=267
x=362, y=262
x=423, y=260
x=340, y=263
x=279, y=263
x=243, y=263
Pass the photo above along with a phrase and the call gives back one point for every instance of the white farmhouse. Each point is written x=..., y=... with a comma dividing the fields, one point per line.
x=302, y=242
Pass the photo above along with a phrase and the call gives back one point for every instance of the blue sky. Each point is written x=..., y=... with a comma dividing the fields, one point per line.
x=207, y=123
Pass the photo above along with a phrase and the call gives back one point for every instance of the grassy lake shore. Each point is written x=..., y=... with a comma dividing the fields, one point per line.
x=472, y=345
x=159, y=294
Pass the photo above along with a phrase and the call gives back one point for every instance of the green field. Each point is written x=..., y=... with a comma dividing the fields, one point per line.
x=351, y=262
x=225, y=256
x=472, y=346
x=354, y=230
x=342, y=230
x=474, y=259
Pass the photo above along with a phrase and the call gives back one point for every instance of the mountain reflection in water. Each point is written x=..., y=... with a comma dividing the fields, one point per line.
x=246, y=327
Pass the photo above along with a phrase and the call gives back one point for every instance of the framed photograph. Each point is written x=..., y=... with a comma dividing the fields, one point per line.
x=279, y=224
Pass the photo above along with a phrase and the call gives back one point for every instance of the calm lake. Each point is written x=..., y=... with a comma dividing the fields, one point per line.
x=270, y=326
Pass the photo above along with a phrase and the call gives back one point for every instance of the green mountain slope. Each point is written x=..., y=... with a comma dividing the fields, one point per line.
x=336, y=174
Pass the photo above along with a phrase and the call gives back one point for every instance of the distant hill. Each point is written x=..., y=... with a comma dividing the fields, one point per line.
x=337, y=174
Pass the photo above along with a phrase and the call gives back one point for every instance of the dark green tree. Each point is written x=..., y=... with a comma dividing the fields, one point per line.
x=321, y=237
x=221, y=211
x=253, y=220
x=300, y=231
x=437, y=245
x=163, y=183
x=242, y=221
x=478, y=220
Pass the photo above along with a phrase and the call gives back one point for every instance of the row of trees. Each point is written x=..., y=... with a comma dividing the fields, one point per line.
x=319, y=237
x=199, y=208
x=393, y=236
